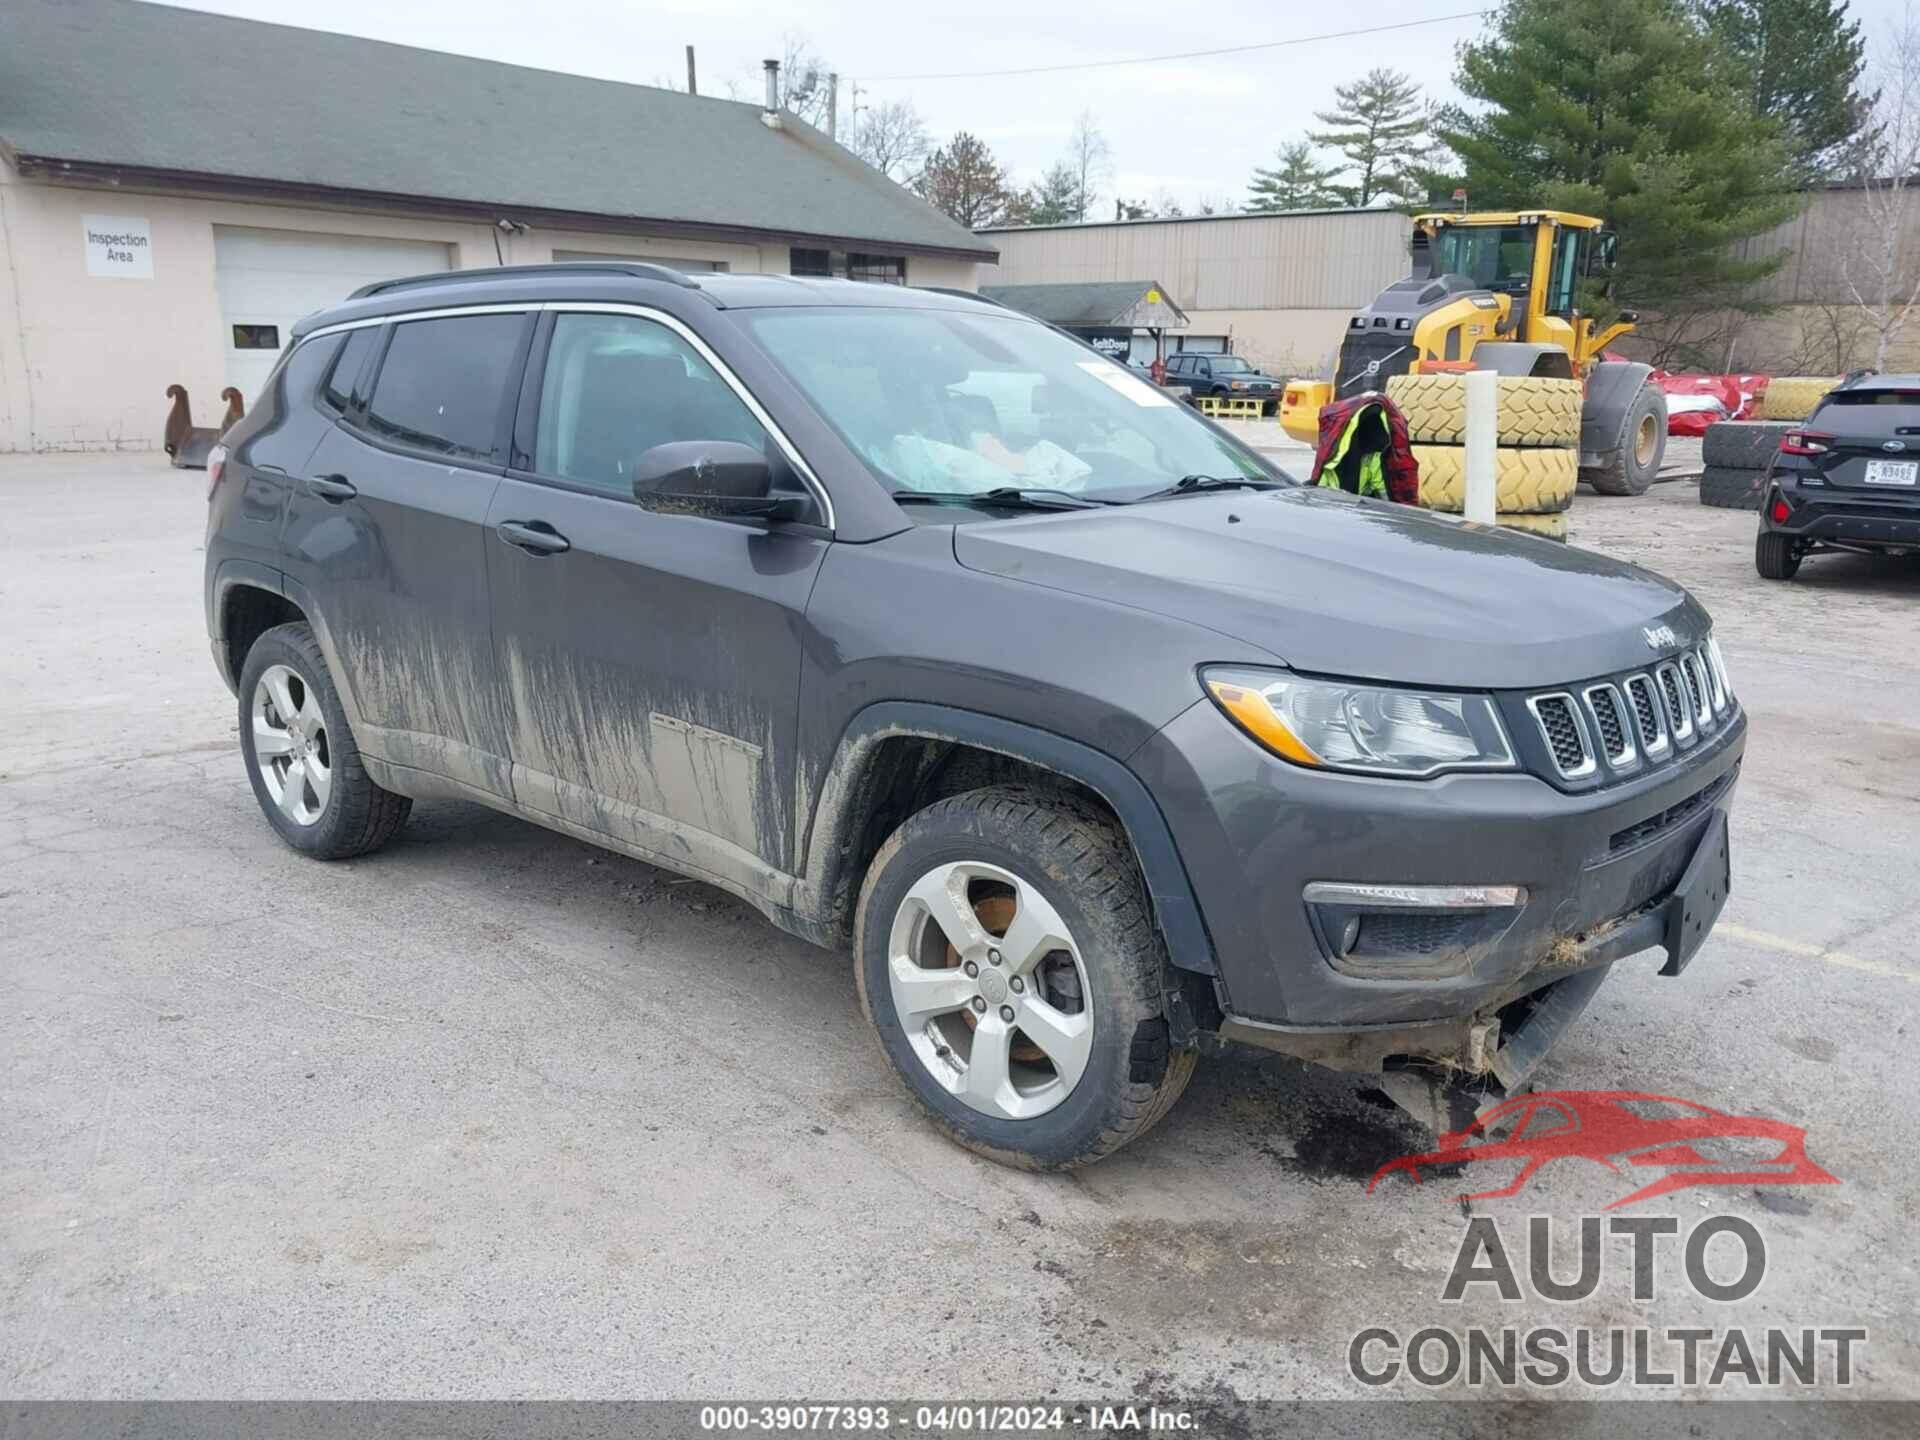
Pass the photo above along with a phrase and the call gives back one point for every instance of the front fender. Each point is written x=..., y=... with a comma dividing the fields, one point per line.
x=847, y=790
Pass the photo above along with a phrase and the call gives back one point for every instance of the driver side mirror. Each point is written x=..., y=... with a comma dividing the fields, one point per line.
x=721, y=479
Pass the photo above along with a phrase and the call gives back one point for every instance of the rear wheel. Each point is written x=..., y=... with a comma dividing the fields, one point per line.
x=1638, y=449
x=1776, y=556
x=1009, y=963
x=301, y=757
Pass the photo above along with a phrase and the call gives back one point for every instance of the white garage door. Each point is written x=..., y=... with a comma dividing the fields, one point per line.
x=268, y=279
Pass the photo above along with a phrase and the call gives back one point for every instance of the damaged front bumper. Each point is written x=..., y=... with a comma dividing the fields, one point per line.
x=1501, y=1043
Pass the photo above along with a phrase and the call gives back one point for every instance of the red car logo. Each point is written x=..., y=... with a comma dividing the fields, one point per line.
x=1696, y=1145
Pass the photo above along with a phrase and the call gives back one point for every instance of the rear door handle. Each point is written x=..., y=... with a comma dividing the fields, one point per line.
x=536, y=537
x=332, y=488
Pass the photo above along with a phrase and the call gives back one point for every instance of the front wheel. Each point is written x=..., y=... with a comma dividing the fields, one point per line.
x=1639, y=446
x=1011, y=968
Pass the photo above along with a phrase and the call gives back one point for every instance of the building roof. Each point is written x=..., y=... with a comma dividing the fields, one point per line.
x=1094, y=304
x=110, y=89
x=1225, y=217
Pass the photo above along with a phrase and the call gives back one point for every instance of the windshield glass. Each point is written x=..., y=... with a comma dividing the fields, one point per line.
x=944, y=402
x=1230, y=365
x=1492, y=257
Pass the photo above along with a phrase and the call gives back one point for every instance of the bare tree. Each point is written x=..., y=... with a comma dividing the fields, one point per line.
x=893, y=139
x=1091, y=160
x=1878, y=275
x=1830, y=338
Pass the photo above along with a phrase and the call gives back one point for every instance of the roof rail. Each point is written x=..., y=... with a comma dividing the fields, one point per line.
x=636, y=268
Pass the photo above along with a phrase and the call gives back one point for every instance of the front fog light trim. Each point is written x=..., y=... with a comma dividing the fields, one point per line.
x=1408, y=932
x=1415, y=897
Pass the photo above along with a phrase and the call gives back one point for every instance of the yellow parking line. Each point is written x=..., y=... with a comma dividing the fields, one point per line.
x=1768, y=941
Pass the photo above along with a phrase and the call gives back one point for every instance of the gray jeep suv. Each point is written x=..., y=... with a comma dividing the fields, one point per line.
x=934, y=635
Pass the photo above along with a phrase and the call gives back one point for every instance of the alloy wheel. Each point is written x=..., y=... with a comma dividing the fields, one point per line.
x=990, y=990
x=291, y=748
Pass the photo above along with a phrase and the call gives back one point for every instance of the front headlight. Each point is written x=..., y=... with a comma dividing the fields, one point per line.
x=1372, y=729
x=1238, y=384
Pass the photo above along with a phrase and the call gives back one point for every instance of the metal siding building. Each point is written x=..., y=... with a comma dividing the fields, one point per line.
x=1280, y=288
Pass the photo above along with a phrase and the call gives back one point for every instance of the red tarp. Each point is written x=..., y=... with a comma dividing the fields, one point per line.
x=1696, y=401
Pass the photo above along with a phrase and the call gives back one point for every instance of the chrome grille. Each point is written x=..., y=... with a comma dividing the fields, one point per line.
x=1646, y=711
x=1565, y=734
x=1624, y=725
x=1705, y=711
x=1609, y=717
x=1679, y=713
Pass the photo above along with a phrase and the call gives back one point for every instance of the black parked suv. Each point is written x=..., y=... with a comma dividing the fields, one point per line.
x=1848, y=479
x=939, y=638
x=1224, y=377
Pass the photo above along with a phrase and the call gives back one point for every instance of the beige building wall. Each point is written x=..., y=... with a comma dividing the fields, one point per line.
x=1281, y=286
x=85, y=361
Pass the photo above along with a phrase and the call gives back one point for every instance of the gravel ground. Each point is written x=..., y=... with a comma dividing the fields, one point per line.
x=494, y=1113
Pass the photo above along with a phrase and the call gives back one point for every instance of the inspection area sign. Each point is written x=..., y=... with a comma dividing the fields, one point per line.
x=119, y=247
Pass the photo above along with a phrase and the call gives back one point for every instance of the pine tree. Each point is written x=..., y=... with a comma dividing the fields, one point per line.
x=963, y=179
x=1380, y=125
x=1299, y=182
x=1801, y=63
x=1053, y=199
x=1619, y=108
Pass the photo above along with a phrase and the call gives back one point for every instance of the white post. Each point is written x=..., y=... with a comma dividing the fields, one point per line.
x=1483, y=435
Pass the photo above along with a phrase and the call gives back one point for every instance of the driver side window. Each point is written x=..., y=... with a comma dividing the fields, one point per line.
x=614, y=387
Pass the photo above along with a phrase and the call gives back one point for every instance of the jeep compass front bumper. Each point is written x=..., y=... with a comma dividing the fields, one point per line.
x=1548, y=886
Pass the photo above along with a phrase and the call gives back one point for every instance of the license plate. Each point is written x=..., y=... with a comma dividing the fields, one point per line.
x=1893, y=472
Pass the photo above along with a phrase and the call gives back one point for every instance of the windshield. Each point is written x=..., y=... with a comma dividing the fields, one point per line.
x=1230, y=365
x=1492, y=257
x=949, y=403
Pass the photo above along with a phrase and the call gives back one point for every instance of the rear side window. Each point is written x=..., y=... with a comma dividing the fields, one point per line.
x=615, y=386
x=340, y=392
x=305, y=364
x=1875, y=412
x=441, y=386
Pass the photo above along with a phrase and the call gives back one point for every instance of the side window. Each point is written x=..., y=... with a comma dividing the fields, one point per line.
x=615, y=386
x=441, y=385
x=299, y=371
x=339, y=391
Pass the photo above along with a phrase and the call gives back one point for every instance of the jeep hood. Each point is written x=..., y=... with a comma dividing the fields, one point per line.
x=1333, y=585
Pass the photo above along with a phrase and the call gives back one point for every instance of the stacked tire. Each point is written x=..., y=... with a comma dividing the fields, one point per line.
x=1735, y=455
x=1793, y=397
x=1537, y=465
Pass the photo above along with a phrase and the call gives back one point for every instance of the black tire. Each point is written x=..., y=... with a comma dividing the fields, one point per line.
x=1776, y=556
x=1732, y=489
x=1638, y=449
x=1081, y=864
x=1742, y=444
x=358, y=815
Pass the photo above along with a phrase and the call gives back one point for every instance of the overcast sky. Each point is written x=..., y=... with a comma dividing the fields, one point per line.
x=1191, y=128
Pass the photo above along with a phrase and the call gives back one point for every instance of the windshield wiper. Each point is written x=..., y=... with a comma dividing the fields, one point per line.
x=1012, y=497
x=1200, y=484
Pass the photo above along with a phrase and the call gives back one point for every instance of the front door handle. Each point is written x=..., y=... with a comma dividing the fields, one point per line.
x=536, y=537
x=332, y=488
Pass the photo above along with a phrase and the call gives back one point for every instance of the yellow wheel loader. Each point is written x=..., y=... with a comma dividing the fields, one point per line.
x=1498, y=292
